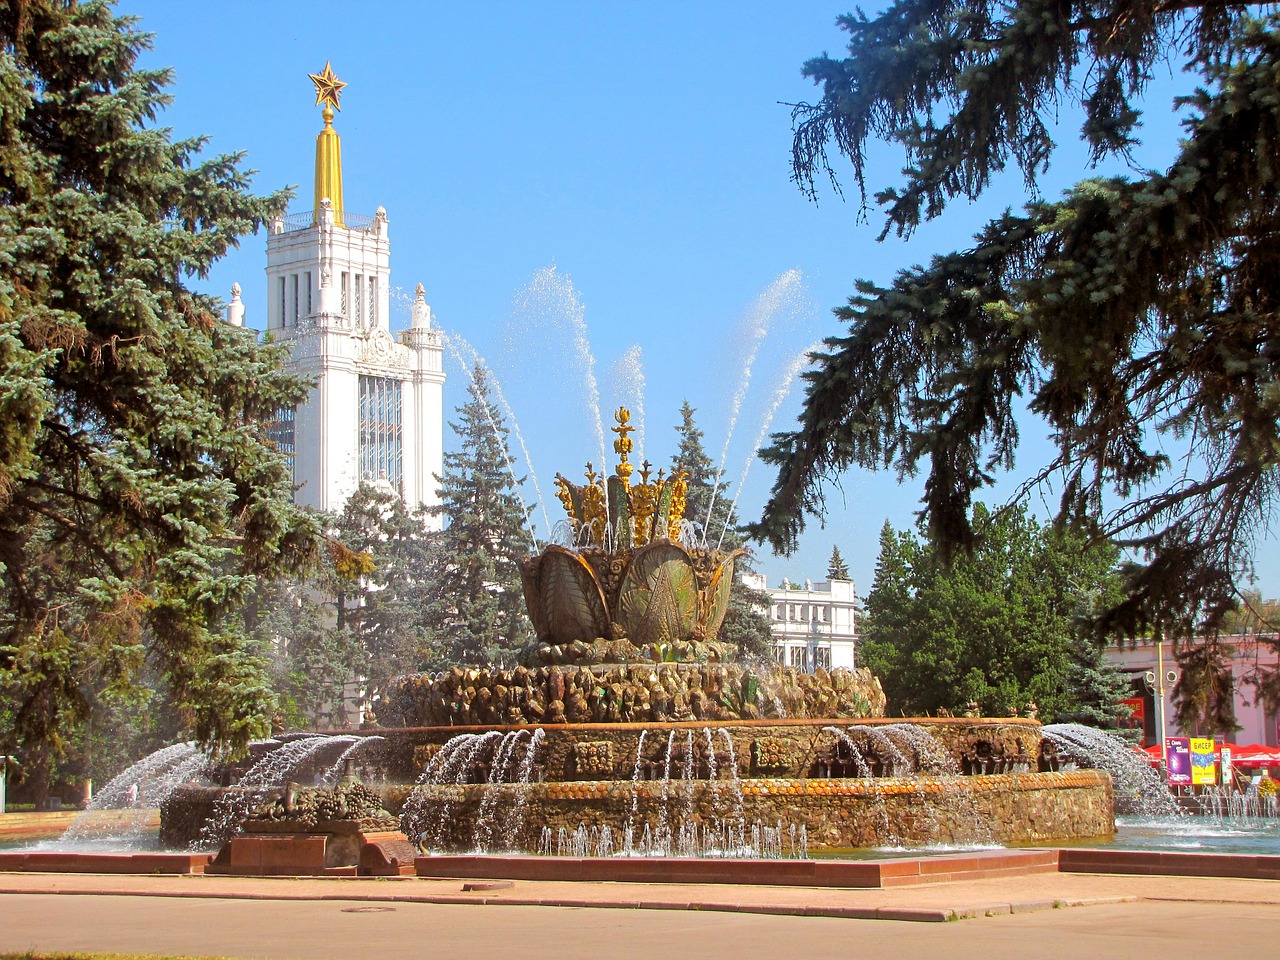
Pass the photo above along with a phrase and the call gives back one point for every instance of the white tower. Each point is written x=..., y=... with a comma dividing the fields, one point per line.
x=376, y=412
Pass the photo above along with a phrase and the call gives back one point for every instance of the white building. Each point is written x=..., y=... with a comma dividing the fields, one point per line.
x=376, y=412
x=814, y=625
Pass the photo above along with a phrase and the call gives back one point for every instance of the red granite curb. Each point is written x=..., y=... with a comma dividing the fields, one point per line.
x=1157, y=863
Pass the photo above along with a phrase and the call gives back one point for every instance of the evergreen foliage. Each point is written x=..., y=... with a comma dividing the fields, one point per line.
x=1096, y=688
x=1000, y=626
x=357, y=620
x=477, y=613
x=386, y=606
x=139, y=495
x=1131, y=310
x=1204, y=696
x=746, y=624
x=837, y=569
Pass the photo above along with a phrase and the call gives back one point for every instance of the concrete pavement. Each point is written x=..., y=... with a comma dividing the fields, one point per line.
x=365, y=921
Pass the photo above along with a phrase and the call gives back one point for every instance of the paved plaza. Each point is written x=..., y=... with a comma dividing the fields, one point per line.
x=1049, y=915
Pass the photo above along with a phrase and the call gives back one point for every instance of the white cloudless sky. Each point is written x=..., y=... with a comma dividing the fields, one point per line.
x=640, y=151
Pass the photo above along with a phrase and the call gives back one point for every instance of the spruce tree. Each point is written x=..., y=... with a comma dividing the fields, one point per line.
x=138, y=491
x=1204, y=696
x=385, y=607
x=358, y=619
x=837, y=569
x=1096, y=688
x=477, y=613
x=1130, y=309
x=746, y=625
x=1000, y=626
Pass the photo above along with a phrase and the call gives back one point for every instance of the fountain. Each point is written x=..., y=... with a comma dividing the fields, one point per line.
x=628, y=729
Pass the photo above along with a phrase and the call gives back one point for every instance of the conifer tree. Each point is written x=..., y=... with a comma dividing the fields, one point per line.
x=477, y=613
x=1204, y=696
x=1130, y=309
x=1097, y=689
x=385, y=607
x=837, y=569
x=138, y=492
x=1000, y=626
x=746, y=626
x=340, y=633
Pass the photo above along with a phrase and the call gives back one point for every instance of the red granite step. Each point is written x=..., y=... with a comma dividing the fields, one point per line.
x=797, y=873
x=48, y=861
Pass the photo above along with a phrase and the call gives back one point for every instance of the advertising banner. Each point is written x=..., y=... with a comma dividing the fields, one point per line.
x=1203, y=769
x=1177, y=757
x=1137, y=718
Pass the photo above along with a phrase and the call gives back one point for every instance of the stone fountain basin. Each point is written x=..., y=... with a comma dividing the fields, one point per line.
x=588, y=775
x=837, y=813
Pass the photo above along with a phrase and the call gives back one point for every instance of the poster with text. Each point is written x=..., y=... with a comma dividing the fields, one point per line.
x=1137, y=718
x=1177, y=757
x=1203, y=769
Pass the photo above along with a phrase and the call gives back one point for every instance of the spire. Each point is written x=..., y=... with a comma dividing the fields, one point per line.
x=328, y=145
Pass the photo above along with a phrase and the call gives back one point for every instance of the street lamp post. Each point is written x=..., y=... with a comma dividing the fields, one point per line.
x=1156, y=681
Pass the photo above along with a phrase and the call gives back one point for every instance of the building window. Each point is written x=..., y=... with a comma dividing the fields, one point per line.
x=307, y=276
x=295, y=299
x=280, y=434
x=359, y=297
x=373, y=302
x=799, y=657
x=381, y=452
x=346, y=278
x=282, y=301
x=821, y=657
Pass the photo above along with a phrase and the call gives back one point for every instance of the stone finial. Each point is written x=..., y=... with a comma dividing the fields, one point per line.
x=329, y=297
x=277, y=224
x=421, y=311
x=381, y=212
x=235, y=309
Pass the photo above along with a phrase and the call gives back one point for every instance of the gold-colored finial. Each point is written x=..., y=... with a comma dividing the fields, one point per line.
x=328, y=87
x=623, y=445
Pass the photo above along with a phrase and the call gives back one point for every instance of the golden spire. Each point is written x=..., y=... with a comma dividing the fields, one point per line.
x=328, y=145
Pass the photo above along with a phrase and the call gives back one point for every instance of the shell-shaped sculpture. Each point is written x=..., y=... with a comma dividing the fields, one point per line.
x=564, y=597
x=655, y=594
x=658, y=599
x=631, y=581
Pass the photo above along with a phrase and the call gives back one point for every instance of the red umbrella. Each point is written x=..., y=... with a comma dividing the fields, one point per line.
x=1252, y=755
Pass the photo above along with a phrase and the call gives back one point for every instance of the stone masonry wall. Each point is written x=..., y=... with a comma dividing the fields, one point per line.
x=777, y=748
x=1016, y=808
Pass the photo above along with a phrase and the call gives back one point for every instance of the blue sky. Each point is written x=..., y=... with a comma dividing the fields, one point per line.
x=626, y=161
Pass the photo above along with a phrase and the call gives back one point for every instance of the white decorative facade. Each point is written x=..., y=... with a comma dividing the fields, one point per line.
x=814, y=626
x=376, y=411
